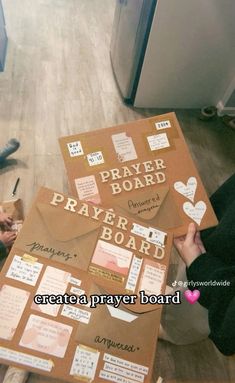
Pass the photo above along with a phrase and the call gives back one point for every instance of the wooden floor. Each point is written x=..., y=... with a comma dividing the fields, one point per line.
x=58, y=81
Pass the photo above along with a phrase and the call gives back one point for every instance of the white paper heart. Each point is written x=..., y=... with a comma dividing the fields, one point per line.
x=195, y=212
x=188, y=190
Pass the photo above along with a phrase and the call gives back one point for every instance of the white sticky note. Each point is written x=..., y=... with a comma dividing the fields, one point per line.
x=95, y=158
x=85, y=363
x=163, y=125
x=134, y=273
x=124, y=147
x=75, y=149
x=24, y=271
x=76, y=313
x=158, y=141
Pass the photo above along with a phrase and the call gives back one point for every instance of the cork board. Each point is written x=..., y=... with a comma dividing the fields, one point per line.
x=143, y=169
x=71, y=247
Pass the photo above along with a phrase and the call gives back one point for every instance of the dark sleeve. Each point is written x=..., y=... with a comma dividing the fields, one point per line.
x=216, y=283
x=3, y=252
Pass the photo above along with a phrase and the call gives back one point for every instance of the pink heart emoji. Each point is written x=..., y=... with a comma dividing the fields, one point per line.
x=192, y=296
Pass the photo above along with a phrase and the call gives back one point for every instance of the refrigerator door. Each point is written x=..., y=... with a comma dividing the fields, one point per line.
x=3, y=39
x=131, y=27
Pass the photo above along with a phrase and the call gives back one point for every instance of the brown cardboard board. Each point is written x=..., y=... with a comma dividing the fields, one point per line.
x=58, y=251
x=143, y=169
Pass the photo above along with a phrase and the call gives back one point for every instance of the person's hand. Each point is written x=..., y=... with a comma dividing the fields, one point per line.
x=8, y=238
x=190, y=246
x=6, y=220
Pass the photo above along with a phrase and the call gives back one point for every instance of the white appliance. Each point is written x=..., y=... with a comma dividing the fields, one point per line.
x=173, y=53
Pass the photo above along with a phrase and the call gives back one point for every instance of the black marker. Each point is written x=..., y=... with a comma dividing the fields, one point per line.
x=16, y=185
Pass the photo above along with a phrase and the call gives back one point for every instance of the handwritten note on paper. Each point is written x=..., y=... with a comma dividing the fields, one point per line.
x=95, y=158
x=23, y=271
x=12, y=305
x=85, y=363
x=158, y=141
x=87, y=189
x=112, y=369
x=75, y=148
x=54, y=281
x=124, y=147
x=153, y=278
x=126, y=364
x=45, y=335
x=25, y=359
x=134, y=273
x=76, y=313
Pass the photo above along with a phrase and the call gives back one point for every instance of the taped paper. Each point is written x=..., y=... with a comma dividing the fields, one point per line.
x=85, y=363
x=25, y=272
x=26, y=359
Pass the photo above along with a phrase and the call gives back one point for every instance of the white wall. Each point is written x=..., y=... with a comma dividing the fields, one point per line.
x=190, y=59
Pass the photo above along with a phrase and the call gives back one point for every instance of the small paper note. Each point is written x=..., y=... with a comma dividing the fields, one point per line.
x=126, y=364
x=25, y=359
x=87, y=189
x=54, y=281
x=85, y=363
x=134, y=273
x=95, y=158
x=124, y=372
x=112, y=257
x=187, y=190
x=23, y=271
x=45, y=335
x=158, y=141
x=76, y=313
x=12, y=305
x=163, y=125
x=75, y=149
x=139, y=230
x=75, y=281
x=124, y=147
x=153, y=278
x=156, y=236
x=196, y=213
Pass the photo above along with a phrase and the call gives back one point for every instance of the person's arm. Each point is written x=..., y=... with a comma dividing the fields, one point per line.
x=216, y=283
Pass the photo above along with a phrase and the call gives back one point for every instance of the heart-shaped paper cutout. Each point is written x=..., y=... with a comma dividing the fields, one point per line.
x=188, y=190
x=192, y=296
x=195, y=212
